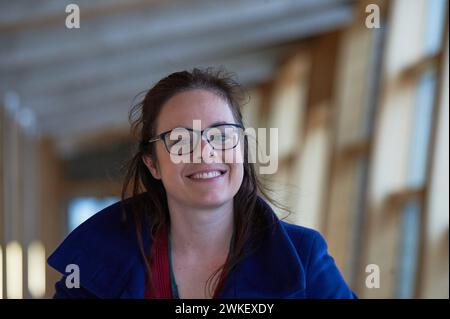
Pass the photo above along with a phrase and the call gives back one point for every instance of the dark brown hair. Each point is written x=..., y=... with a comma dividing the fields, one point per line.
x=151, y=210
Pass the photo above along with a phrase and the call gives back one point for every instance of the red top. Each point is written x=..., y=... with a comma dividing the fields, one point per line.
x=159, y=268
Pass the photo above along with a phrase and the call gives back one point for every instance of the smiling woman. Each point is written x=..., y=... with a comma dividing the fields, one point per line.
x=198, y=227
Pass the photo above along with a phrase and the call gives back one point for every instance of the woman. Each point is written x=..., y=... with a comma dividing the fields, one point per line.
x=196, y=225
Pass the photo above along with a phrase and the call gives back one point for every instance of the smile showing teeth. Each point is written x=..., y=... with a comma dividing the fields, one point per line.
x=206, y=175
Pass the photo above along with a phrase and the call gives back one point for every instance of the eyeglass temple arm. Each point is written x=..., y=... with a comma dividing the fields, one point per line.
x=154, y=139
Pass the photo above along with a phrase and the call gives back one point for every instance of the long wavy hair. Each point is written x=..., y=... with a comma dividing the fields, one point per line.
x=150, y=208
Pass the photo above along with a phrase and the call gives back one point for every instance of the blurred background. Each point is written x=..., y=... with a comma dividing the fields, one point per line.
x=361, y=106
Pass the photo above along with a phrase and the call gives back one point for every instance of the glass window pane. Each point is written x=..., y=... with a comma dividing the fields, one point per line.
x=408, y=251
x=421, y=130
x=436, y=10
x=81, y=208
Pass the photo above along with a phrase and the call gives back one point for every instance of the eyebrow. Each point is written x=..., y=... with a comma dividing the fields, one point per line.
x=218, y=123
x=212, y=124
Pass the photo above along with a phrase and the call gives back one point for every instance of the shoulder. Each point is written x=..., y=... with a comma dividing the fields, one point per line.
x=99, y=233
x=304, y=239
x=103, y=247
x=300, y=233
x=323, y=278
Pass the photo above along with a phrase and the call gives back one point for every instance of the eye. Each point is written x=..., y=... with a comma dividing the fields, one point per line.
x=219, y=137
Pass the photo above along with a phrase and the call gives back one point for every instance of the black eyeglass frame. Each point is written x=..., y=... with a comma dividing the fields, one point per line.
x=162, y=135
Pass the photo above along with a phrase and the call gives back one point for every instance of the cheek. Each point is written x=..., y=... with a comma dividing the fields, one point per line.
x=170, y=172
x=237, y=167
x=234, y=156
x=237, y=176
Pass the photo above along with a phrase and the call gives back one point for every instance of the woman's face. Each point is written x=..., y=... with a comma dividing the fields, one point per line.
x=187, y=183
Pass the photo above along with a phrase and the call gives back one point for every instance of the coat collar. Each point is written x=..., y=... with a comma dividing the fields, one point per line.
x=106, y=250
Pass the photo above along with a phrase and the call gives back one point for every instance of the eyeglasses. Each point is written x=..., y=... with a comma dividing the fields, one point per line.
x=181, y=140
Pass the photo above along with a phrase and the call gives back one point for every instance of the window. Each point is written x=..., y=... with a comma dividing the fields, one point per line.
x=82, y=208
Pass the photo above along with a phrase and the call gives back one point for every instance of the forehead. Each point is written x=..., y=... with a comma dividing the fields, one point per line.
x=197, y=104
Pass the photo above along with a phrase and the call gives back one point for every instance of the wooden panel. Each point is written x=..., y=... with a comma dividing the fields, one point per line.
x=391, y=149
x=407, y=31
x=288, y=102
x=310, y=172
x=51, y=210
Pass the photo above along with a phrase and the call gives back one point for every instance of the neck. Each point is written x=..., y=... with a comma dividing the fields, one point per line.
x=198, y=231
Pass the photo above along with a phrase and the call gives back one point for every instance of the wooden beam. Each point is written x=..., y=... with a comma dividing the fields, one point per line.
x=83, y=72
x=86, y=91
x=433, y=263
x=20, y=16
x=130, y=32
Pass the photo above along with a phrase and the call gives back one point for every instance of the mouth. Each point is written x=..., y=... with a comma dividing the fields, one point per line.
x=207, y=175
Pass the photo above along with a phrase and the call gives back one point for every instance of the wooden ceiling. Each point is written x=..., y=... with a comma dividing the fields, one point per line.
x=75, y=81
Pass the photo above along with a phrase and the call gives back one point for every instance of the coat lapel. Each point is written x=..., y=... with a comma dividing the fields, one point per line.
x=273, y=270
x=106, y=250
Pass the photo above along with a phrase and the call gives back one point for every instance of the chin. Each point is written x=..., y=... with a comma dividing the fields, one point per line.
x=212, y=200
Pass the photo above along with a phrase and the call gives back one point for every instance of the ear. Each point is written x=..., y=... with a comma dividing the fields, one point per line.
x=152, y=167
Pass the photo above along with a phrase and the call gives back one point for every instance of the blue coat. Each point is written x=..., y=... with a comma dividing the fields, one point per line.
x=290, y=263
